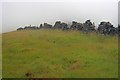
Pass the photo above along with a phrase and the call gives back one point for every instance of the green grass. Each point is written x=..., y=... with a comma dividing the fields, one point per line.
x=59, y=54
x=0, y=56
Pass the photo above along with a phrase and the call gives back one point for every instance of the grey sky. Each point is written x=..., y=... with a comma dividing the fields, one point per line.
x=119, y=12
x=0, y=18
x=16, y=14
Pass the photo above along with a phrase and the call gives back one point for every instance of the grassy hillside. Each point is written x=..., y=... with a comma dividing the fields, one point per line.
x=0, y=55
x=59, y=54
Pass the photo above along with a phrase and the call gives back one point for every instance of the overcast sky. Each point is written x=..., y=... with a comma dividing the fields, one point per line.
x=16, y=14
x=119, y=12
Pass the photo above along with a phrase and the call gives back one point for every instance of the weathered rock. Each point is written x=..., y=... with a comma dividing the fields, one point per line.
x=118, y=30
x=46, y=25
x=106, y=28
x=88, y=26
x=76, y=26
x=41, y=26
x=30, y=27
x=64, y=26
x=20, y=28
x=58, y=25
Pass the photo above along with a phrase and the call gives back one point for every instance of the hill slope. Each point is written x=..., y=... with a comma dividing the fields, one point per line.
x=61, y=54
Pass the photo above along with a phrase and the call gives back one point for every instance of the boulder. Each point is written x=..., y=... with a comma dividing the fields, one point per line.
x=106, y=28
x=58, y=25
x=64, y=26
x=76, y=26
x=20, y=28
x=88, y=26
x=30, y=27
x=46, y=25
x=41, y=26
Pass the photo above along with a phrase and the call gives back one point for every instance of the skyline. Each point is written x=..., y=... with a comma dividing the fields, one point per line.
x=16, y=14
